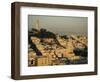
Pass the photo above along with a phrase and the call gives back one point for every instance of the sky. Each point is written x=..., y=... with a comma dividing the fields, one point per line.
x=60, y=24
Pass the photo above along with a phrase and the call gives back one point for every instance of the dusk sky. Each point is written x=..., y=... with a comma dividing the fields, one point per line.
x=60, y=24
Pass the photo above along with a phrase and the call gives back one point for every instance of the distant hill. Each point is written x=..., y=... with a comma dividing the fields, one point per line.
x=43, y=33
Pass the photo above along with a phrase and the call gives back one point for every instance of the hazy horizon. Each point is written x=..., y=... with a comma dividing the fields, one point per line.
x=60, y=24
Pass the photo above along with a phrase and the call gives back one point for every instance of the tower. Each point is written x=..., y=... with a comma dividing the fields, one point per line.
x=37, y=24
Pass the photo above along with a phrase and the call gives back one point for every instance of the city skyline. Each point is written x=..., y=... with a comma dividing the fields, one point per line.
x=60, y=24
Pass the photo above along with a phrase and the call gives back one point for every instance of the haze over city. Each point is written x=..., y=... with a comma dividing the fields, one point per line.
x=60, y=24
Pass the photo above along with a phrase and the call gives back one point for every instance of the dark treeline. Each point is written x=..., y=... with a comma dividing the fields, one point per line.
x=43, y=33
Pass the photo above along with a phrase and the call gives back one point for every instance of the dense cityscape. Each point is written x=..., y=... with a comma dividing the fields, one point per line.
x=46, y=48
